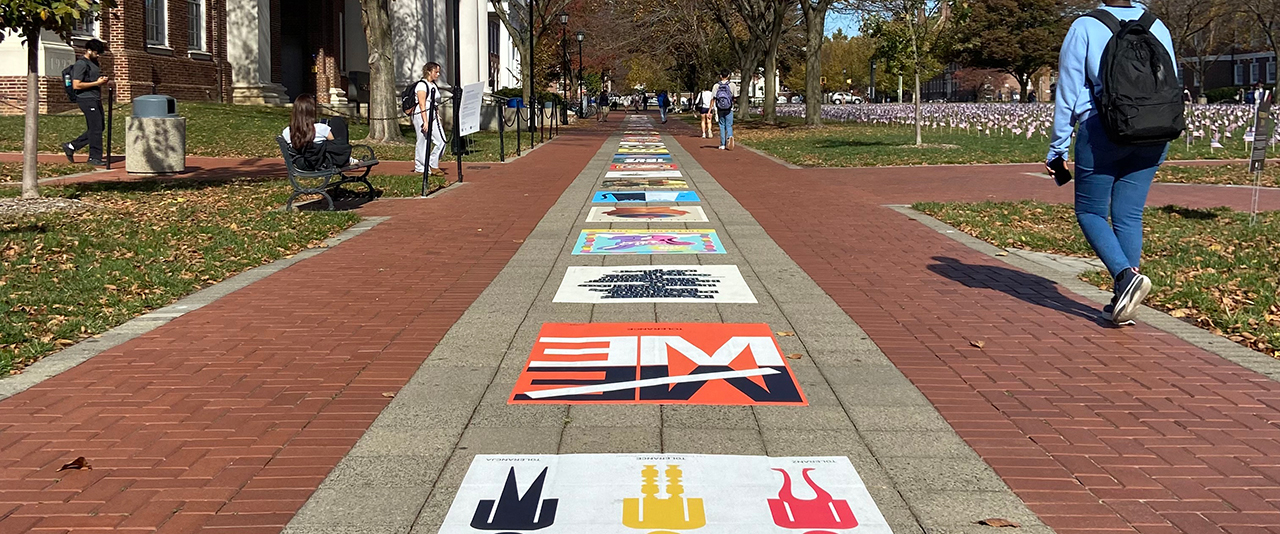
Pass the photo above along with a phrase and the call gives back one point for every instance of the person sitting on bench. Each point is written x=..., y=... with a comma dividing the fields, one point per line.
x=318, y=145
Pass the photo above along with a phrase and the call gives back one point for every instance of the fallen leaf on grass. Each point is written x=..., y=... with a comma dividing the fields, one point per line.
x=78, y=463
x=785, y=334
x=978, y=344
x=794, y=356
x=998, y=522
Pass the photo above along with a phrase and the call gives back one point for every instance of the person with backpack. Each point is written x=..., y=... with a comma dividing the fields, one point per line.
x=703, y=104
x=724, y=92
x=422, y=102
x=1118, y=81
x=664, y=102
x=602, y=104
x=86, y=82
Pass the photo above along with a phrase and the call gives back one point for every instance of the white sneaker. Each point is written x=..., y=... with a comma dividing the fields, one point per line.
x=721, y=147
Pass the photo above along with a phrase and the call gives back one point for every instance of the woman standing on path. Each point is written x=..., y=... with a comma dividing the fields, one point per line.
x=426, y=126
x=703, y=105
x=724, y=109
x=1112, y=179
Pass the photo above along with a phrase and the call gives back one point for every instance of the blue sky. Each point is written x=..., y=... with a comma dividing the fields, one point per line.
x=842, y=21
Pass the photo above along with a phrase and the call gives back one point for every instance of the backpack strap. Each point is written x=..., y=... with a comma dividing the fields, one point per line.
x=1107, y=18
x=1147, y=20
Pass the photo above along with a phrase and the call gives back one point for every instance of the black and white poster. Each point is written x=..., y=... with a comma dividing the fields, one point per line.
x=655, y=283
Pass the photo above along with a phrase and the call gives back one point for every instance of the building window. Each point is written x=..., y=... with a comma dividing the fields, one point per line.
x=85, y=27
x=495, y=36
x=1271, y=71
x=1253, y=72
x=157, y=32
x=1195, y=79
x=1239, y=78
x=195, y=24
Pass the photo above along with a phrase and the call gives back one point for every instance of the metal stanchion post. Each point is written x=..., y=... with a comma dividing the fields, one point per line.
x=111, y=111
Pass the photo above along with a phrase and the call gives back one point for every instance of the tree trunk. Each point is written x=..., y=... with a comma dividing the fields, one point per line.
x=1024, y=81
x=915, y=95
x=771, y=84
x=744, y=86
x=30, y=178
x=815, y=20
x=383, y=103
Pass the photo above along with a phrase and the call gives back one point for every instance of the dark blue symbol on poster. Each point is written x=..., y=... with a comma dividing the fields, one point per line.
x=514, y=512
x=655, y=283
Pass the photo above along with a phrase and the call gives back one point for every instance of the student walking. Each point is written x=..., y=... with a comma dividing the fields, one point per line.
x=602, y=103
x=87, y=82
x=724, y=92
x=703, y=104
x=426, y=122
x=663, y=102
x=1119, y=146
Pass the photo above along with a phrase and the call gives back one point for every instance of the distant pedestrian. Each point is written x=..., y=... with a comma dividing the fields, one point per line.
x=1115, y=163
x=724, y=95
x=87, y=82
x=703, y=105
x=663, y=102
x=426, y=122
x=644, y=99
x=602, y=103
x=1256, y=94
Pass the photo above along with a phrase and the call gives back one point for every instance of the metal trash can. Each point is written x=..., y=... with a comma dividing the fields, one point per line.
x=155, y=137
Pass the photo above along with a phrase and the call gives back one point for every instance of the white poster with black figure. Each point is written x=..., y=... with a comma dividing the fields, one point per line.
x=655, y=283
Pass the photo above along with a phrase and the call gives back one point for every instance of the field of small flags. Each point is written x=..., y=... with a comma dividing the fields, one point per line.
x=1215, y=124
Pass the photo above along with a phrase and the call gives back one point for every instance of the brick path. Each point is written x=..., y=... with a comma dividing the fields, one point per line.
x=1097, y=429
x=227, y=418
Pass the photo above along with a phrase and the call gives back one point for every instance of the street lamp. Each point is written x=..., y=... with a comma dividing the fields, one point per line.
x=582, y=96
x=564, y=54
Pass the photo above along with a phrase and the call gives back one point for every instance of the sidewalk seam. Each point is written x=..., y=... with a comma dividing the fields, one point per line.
x=65, y=359
x=1248, y=358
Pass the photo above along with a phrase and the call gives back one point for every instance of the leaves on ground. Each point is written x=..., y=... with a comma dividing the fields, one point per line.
x=999, y=522
x=78, y=463
x=978, y=343
x=68, y=276
x=785, y=334
x=1209, y=266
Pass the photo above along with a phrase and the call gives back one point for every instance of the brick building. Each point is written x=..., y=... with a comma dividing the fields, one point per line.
x=173, y=47
x=1228, y=70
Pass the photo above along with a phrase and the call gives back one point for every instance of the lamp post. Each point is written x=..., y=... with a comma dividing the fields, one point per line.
x=564, y=54
x=533, y=89
x=582, y=96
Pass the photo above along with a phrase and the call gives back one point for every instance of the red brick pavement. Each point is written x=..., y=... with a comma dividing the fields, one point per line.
x=226, y=419
x=1098, y=429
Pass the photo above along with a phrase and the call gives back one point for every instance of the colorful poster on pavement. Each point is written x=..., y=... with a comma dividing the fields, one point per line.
x=642, y=150
x=662, y=493
x=643, y=174
x=644, y=167
x=645, y=196
x=631, y=183
x=655, y=283
x=657, y=363
x=642, y=158
x=642, y=138
x=642, y=144
x=648, y=214
x=648, y=242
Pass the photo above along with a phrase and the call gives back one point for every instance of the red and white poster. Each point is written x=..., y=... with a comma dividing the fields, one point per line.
x=648, y=363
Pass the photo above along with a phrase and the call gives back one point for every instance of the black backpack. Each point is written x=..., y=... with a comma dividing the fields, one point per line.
x=409, y=98
x=1141, y=98
x=67, y=76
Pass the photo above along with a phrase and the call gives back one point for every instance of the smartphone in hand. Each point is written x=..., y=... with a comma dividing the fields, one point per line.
x=1058, y=170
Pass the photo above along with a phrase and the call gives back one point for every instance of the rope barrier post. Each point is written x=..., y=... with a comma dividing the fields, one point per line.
x=519, y=134
x=430, y=125
x=111, y=110
x=502, y=132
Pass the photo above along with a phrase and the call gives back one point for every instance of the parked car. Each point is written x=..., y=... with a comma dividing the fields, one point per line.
x=797, y=99
x=842, y=97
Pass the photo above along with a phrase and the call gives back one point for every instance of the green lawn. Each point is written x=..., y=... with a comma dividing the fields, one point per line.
x=1210, y=267
x=223, y=130
x=64, y=277
x=12, y=172
x=864, y=145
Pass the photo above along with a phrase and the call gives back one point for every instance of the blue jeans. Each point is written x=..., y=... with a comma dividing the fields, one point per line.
x=662, y=111
x=726, y=126
x=1113, y=181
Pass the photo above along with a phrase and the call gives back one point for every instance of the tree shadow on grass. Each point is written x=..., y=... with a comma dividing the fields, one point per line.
x=1022, y=285
x=1207, y=214
x=854, y=143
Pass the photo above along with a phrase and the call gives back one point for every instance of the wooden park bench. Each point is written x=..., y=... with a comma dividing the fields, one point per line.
x=319, y=182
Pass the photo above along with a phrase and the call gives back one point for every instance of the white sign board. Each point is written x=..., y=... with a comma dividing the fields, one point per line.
x=646, y=493
x=472, y=98
x=655, y=283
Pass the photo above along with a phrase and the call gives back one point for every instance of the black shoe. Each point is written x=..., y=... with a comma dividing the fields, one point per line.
x=97, y=163
x=1109, y=310
x=1131, y=289
x=70, y=151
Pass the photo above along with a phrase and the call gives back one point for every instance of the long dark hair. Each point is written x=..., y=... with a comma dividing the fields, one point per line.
x=302, y=125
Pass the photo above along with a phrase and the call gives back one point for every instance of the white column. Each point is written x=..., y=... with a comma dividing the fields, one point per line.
x=249, y=53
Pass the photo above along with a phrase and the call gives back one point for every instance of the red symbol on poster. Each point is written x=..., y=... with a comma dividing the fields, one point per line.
x=630, y=363
x=819, y=512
